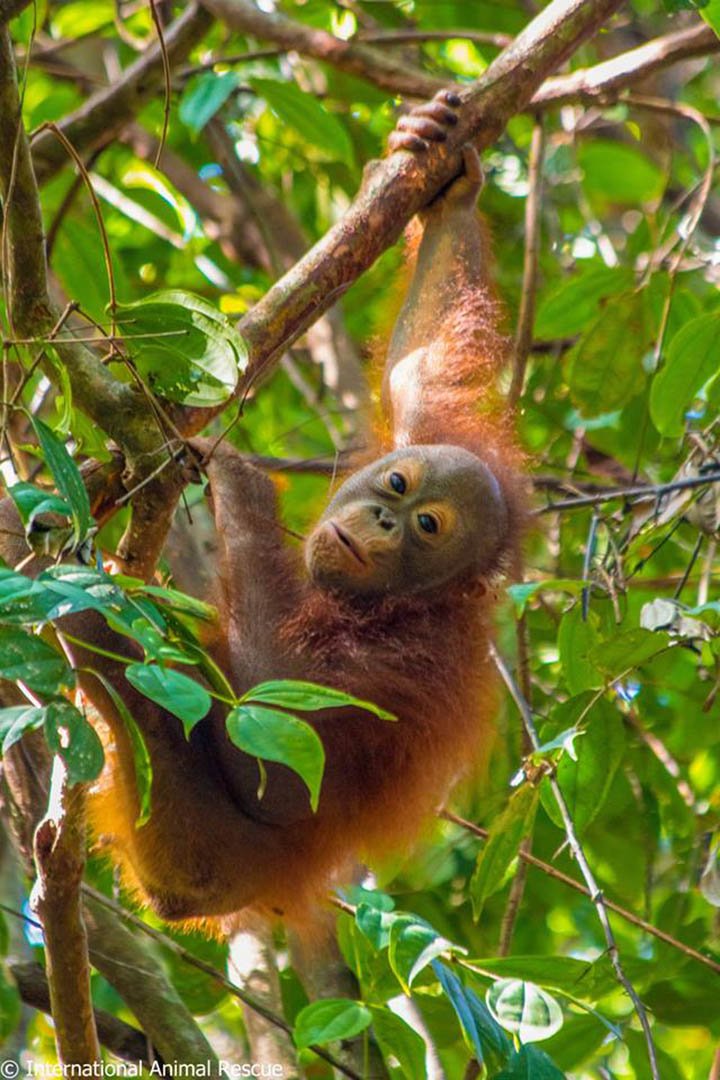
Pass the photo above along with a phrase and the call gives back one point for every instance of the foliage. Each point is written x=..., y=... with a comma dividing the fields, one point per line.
x=619, y=602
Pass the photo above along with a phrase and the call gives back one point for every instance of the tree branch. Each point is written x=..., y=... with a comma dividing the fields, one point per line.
x=60, y=860
x=104, y=114
x=353, y=57
x=398, y=187
x=121, y=1039
x=627, y=69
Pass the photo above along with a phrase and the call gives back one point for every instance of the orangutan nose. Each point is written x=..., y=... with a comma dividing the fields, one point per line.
x=385, y=518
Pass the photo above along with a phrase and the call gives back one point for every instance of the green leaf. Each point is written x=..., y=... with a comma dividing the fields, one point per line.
x=576, y=639
x=28, y=659
x=487, y=1039
x=414, y=945
x=583, y=979
x=304, y=113
x=693, y=358
x=178, y=693
x=141, y=755
x=576, y=301
x=275, y=736
x=182, y=603
x=711, y=14
x=529, y=1063
x=23, y=600
x=15, y=721
x=618, y=173
x=67, y=479
x=185, y=349
x=627, y=650
x=375, y=924
x=70, y=735
x=524, y=1009
x=31, y=501
x=326, y=1021
x=295, y=695
x=585, y=783
x=604, y=368
x=523, y=591
x=501, y=847
x=398, y=1041
x=204, y=95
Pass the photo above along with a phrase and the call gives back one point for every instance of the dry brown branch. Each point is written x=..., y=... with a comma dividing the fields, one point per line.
x=565, y=879
x=138, y=976
x=629, y=68
x=354, y=57
x=99, y=120
x=121, y=1039
x=395, y=189
x=60, y=861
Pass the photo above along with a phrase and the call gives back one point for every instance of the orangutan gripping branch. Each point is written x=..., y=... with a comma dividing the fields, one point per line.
x=392, y=603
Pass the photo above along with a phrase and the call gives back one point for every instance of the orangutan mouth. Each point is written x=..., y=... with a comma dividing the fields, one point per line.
x=347, y=542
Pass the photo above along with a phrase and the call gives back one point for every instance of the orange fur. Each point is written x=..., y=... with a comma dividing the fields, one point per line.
x=210, y=848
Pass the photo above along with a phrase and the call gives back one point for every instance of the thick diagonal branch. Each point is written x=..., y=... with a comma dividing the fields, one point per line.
x=394, y=190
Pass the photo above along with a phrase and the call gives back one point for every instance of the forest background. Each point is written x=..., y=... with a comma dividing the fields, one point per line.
x=205, y=148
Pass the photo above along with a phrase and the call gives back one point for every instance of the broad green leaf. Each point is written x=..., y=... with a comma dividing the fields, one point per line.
x=711, y=14
x=31, y=501
x=619, y=173
x=141, y=755
x=308, y=697
x=524, y=1009
x=184, y=348
x=525, y=590
x=576, y=639
x=501, y=848
x=486, y=1038
x=67, y=478
x=583, y=979
x=70, y=735
x=23, y=600
x=28, y=659
x=604, y=368
x=375, y=924
x=627, y=650
x=585, y=783
x=79, y=18
x=326, y=1021
x=530, y=1063
x=15, y=721
x=414, y=945
x=178, y=693
x=304, y=113
x=576, y=301
x=276, y=736
x=693, y=358
x=204, y=95
x=182, y=603
x=397, y=1040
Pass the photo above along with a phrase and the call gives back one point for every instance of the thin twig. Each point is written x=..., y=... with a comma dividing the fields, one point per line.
x=579, y=855
x=638, y=492
x=533, y=216
x=208, y=969
x=572, y=883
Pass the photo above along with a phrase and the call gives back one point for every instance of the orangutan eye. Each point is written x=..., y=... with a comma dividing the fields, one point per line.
x=397, y=483
x=428, y=523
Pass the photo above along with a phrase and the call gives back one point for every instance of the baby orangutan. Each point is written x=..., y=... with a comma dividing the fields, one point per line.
x=393, y=605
